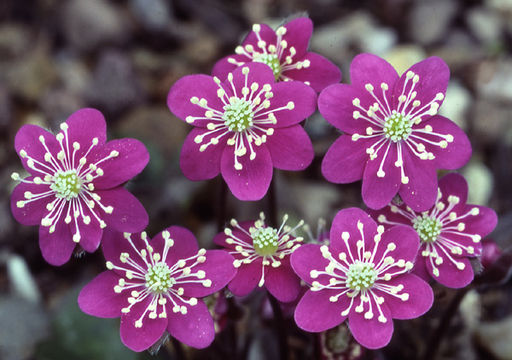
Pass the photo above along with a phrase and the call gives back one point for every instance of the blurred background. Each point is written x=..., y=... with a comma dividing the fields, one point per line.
x=122, y=57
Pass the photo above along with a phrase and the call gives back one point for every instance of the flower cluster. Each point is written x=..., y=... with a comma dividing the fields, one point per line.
x=154, y=286
x=450, y=232
x=74, y=189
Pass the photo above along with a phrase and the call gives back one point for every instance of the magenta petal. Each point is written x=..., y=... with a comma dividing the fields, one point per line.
x=58, y=246
x=319, y=74
x=98, y=298
x=195, y=328
x=252, y=181
x=200, y=86
x=406, y=240
x=223, y=67
x=298, y=33
x=132, y=159
x=246, y=278
x=371, y=69
x=454, y=184
x=290, y=148
x=90, y=234
x=420, y=298
x=315, y=313
x=258, y=73
x=346, y=221
x=420, y=192
x=483, y=223
x=114, y=243
x=377, y=191
x=266, y=34
x=27, y=139
x=345, y=160
x=32, y=212
x=371, y=334
x=128, y=215
x=449, y=275
x=185, y=244
x=139, y=339
x=306, y=258
x=218, y=268
x=457, y=153
x=85, y=125
x=433, y=74
x=302, y=96
x=201, y=165
x=282, y=282
x=420, y=268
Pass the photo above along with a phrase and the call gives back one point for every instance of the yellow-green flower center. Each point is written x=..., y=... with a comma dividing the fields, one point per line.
x=238, y=115
x=265, y=240
x=397, y=127
x=271, y=60
x=361, y=275
x=427, y=228
x=158, y=278
x=66, y=184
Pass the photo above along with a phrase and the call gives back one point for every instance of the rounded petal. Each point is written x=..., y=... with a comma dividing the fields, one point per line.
x=33, y=211
x=290, y=148
x=302, y=96
x=420, y=193
x=128, y=214
x=371, y=69
x=132, y=159
x=83, y=126
x=345, y=160
x=319, y=74
x=90, y=234
x=457, y=153
x=252, y=181
x=406, y=240
x=433, y=74
x=56, y=247
x=389, y=218
x=306, y=258
x=371, y=333
x=98, y=298
x=185, y=244
x=218, y=268
x=28, y=140
x=377, y=191
x=483, y=223
x=449, y=275
x=246, y=278
x=282, y=282
x=347, y=220
x=114, y=243
x=201, y=165
x=200, y=86
x=454, y=184
x=315, y=313
x=195, y=328
x=420, y=268
x=266, y=33
x=223, y=67
x=419, y=301
x=258, y=73
x=139, y=339
x=298, y=33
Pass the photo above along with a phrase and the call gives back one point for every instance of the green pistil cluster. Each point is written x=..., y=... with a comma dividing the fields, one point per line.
x=238, y=114
x=361, y=275
x=427, y=228
x=397, y=127
x=66, y=184
x=265, y=240
x=158, y=278
x=271, y=60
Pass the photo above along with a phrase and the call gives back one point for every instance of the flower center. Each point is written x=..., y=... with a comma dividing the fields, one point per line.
x=265, y=240
x=397, y=127
x=361, y=275
x=427, y=228
x=271, y=60
x=66, y=184
x=158, y=278
x=238, y=114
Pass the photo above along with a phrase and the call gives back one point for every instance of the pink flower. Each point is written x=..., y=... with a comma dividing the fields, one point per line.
x=154, y=286
x=262, y=257
x=450, y=232
x=285, y=52
x=75, y=187
x=393, y=140
x=363, y=275
x=244, y=127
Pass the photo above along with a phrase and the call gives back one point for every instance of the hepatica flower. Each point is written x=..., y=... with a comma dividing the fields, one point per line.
x=74, y=189
x=262, y=257
x=362, y=275
x=156, y=285
x=244, y=126
x=393, y=138
x=450, y=232
x=285, y=51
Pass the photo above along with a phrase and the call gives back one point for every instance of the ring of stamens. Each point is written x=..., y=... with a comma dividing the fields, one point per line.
x=66, y=184
x=397, y=127
x=158, y=278
x=238, y=114
x=428, y=228
x=265, y=240
x=361, y=275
